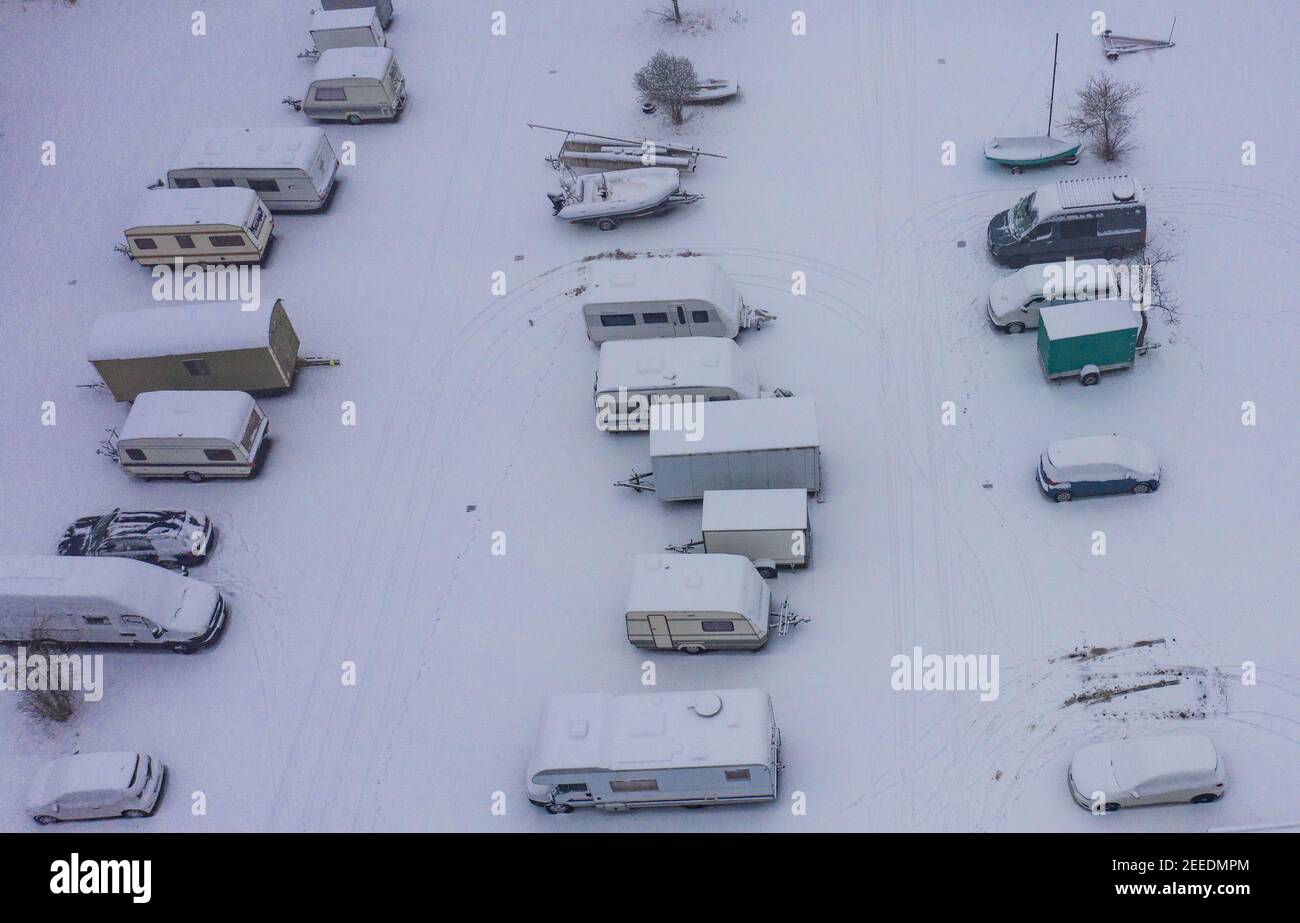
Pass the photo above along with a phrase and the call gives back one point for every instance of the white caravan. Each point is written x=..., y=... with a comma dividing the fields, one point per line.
x=357, y=27
x=355, y=85
x=216, y=226
x=688, y=749
x=194, y=435
x=769, y=527
x=87, y=786
x=662, y=297
x=93, y=600
x=291, y=169
x=634, y=374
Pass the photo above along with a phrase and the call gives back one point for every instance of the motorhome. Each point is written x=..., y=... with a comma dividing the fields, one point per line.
x=700, y=602
x=769, y=527
x=1100, y=216
x=688, y=749
x=737, y=445
x=212, y=346
x=383, y=8
x=217, y=226
x=355, y=85
x=355, y=27
x=291, y=169
x=662, y=297
x=633, y=375
x=194, y=435
x=94, y=600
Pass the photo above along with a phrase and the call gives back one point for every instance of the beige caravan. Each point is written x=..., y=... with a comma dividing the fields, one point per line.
x=194, y=435
x=215, y=346
x=199, y=226
x=355, y=85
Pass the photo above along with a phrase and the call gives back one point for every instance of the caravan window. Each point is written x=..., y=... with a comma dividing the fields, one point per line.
x=331, y=94
x=634, y=785
x=618, y=320
x=709, y=625
x=185, y=241
x=263, y=185
x=185, y=182
x=226, y=240
x=217, y=455
x=700, y=317
x=657, y=318
x=197, y=367
x=737, y=775
x=135, y=454
x=146, y=243
x=97, y=620
x=565, y=788
x=223, y=183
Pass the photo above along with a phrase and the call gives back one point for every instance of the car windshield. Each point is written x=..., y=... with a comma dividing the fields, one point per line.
x=1022, y=217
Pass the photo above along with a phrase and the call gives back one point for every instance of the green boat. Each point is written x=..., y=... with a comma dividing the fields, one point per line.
x=1035, y=150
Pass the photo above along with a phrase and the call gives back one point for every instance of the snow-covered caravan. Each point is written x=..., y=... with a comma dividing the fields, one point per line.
x=356, y=27
x=355, y=85
x=106, y=601
x=633, y=374
x=669, y=297
x=199, y=226
x=383, y=8
x=658, y=749
x=291, y=169
x=769, y=527
x=217, y=346
x=698, y=602
x=738, y=445
x=193, y=434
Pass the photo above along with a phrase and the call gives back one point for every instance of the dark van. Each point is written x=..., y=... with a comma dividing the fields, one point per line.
x=1101, y=216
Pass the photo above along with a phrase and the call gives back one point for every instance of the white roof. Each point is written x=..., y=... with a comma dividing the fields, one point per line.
x=653, y=730
x=675, y=362
x=229, y=205
x=1087, y=192
x=82, y=772
x=743, y=426
x=357, y=17
x=697, y=583
x=205, y=327
x=675, y=278
x=251, y=148
x=1024, y=284
x=188, y=415
x=1147, y=759
x=340, y=63
x=753, y=510
x=1101, y=451
x=1087, y=317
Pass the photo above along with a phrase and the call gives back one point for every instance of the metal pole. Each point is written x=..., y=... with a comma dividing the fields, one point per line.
x=1052, y=103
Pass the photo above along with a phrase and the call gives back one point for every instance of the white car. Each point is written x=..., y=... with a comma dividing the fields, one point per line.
x=1014, y=300
x=1095, y=465
x=1148, y=770
x=91, y=785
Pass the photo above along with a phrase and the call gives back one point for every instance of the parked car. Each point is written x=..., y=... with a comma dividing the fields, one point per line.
x=1014, y=300
x=1093, y=465
x=1095, y=216
x=92, y=785
x=170, y=538
x=1148, y=770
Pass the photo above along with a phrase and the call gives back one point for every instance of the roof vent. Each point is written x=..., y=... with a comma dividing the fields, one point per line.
x=706, y=704
x=1123, y=189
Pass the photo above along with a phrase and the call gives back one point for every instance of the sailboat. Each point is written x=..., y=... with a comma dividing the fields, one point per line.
x=1035, y=150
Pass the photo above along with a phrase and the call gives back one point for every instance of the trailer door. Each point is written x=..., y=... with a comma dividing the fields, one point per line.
x=659, y=631
x=681, y=320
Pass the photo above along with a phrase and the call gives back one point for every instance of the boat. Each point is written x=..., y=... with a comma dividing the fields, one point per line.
x=1035, y=150
x=605, y=199
x=583, y=150
x=714, y=89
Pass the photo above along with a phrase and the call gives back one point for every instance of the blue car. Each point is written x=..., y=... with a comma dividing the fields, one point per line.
x=1094, y=465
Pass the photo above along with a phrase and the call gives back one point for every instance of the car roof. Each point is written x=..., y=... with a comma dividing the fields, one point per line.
x=1088, y=451
x=1148, y=759
x=83, y=772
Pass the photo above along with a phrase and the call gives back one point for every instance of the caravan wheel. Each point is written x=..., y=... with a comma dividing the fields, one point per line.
x=354, y=119
x=193, y=477
x=693, y=649
x=607, y=224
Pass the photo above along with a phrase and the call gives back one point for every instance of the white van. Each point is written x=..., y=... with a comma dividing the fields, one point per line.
x=357, y=27
x=662, y=297
x=87, y=786
x=194, y=435
x=1014, y=300
x=355, y=85
x=633, y=374
x=93, y=600
x=199, y=226
x=687, y=749
x=291, y=169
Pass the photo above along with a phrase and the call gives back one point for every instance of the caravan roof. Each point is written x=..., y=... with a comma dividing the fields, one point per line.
x=676, y=278
x=341, y=63
x=657, y=730
x=1084, y=318
x=251, y=148
x=214, y=326
x=675, y=362
x=169, y=207
x=743, y=426
x=697, y=583
x=1087, y=192
x=754, y=510
x=357, y=17
x=188, y=415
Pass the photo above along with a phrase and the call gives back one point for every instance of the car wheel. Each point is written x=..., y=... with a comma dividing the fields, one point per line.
x=1207, y=798
x=185, y=648
x=559, y=809
x=1017, y=327
x=607, y=224
x=767, y=573
x=1016, y=263
x=354, y=119
x=45, y=819
x=1089, y=379
x=1141, y=488
x=1063, y=496
x=193, y=477
x=1111, y=806
x=134, y=815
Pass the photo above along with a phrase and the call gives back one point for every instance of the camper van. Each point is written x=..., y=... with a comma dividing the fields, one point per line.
x=356, y=85
x=701, y=602
x=685, y=749
x=106, y=601
x=356, y=27
x=291, y=169
x=194, y=435
x=769, y=527
x=669, y=297
x=383, y=8
x=212, y=346
x=1100, y=216
x=737, y=445
x=634, y=374
x=199, y=226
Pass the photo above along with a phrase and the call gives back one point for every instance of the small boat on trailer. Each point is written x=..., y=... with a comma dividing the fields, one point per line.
x=715, y=89
x=606, y=199
x=1035, y=150
x=582, y=150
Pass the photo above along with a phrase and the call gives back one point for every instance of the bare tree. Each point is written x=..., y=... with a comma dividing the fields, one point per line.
x=1104, y=117
x=1157, y=257
x=48, y=704
x=670, y=81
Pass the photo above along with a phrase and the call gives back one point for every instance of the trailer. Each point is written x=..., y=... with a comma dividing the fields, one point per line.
x=355, y=27
x=736, y=445
x=769, y=527
x=1088, y=338
x=584, y=150
x=213, y=346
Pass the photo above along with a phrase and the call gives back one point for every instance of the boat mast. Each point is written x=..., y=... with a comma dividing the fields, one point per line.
x=1052, y=102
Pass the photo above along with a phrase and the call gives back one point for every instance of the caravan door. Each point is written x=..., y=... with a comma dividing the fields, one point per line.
x=659, y=631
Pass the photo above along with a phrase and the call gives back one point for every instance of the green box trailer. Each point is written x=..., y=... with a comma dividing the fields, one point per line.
x=1088, y=338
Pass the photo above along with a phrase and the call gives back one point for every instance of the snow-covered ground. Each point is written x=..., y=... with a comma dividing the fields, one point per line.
x=372, y=544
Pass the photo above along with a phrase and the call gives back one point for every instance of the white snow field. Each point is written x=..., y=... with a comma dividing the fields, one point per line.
x=372, y=544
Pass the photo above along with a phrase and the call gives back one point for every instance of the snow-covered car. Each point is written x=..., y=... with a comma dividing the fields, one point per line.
x=1014, y=300
x=1094, y=465
x=93, y=785
x=171, y=538
x=1148, y=770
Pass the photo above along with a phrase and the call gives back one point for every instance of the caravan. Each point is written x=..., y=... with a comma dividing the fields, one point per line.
x=687, y=749
x=355, y=85
x=291, y=169
x=186, y=226
x=194, y=435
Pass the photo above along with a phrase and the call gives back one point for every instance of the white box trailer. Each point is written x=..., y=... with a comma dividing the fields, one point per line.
x=356, y=27
x=383, y=8
x=93, y=600
x=769, y=527
x=689, y=749
x=632, y=375
x=291, y=169
x=736, y=445
x=662, y=297
x=194, y=435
